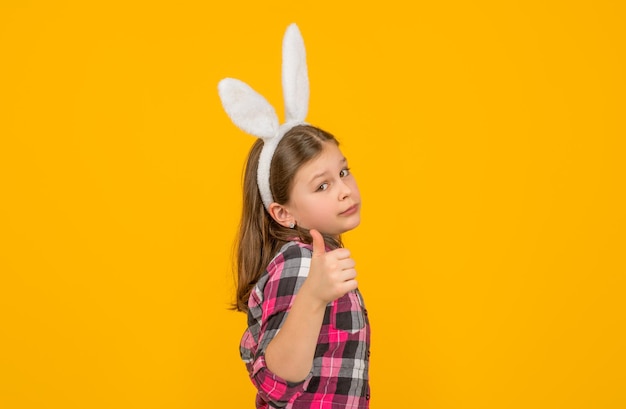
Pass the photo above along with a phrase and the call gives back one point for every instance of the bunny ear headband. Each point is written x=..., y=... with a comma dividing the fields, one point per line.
x=254, y=115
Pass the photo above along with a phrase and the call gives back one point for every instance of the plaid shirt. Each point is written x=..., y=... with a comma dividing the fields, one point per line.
x=339, y=378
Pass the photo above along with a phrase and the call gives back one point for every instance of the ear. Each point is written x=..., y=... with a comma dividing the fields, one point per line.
x=281, y=214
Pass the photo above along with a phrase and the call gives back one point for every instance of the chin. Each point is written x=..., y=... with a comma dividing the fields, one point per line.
x=342, y=227
x=353, y=225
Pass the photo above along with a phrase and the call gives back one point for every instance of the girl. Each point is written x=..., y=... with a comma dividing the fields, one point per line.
x=307, y=342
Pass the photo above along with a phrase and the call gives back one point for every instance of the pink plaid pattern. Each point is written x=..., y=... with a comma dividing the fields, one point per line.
x=339, y=378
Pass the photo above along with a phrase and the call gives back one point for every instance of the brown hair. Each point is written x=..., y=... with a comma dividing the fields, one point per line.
x=260, y=236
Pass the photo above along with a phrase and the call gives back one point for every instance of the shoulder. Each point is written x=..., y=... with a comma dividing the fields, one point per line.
x=290, y=266
x=290, y=260
x=291, y=251
x=281, y=279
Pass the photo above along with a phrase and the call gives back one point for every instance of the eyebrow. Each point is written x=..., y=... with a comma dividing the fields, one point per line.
x=321, y=174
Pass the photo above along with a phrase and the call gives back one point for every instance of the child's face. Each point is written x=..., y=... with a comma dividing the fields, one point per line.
x=325, y=195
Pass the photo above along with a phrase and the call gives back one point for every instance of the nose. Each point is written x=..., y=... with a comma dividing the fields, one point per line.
x=345, y=191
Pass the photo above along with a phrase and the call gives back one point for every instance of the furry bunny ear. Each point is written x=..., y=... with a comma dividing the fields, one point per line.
x=254, y=115
x=247, y=108
x=295, y=76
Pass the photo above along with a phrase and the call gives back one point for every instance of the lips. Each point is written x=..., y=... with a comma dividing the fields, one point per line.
x=350, y=210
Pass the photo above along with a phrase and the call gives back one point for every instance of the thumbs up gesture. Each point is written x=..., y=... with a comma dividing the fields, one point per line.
x=332, y=273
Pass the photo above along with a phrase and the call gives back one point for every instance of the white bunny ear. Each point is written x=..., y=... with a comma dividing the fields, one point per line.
x=295, y=76
x=248, y=109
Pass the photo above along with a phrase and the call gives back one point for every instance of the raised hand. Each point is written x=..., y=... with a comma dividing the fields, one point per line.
x=332, y=273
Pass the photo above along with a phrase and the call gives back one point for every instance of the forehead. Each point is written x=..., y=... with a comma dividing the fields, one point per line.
x=329, y=159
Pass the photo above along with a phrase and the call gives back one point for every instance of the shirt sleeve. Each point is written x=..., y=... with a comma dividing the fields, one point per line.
x=270, y=303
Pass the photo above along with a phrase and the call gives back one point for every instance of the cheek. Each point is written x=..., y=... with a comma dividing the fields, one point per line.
x=307, y=206
x=319, y=209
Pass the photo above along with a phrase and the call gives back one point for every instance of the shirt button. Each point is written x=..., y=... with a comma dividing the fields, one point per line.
x=367, y=396
x=364, y=312
x=368, y=353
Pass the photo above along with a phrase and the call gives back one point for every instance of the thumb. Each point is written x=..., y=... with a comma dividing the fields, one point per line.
x=319, y=247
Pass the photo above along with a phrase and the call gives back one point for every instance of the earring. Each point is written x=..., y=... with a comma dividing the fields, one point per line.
x=292, y=225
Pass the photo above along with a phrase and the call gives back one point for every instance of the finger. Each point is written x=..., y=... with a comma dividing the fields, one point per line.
x=346, y=263
x=341, y=253
x=319, y=247
x=348, y=275
x=348, y=286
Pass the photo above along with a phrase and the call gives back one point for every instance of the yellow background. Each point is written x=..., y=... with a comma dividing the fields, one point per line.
x=487, y=138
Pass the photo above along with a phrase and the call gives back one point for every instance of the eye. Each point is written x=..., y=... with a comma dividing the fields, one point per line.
x=344, y=172
x=322, y=187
